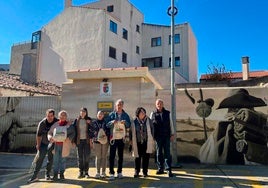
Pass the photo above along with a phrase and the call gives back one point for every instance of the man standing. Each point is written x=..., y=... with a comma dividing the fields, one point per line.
x=116, y=119
x=163, y=135
x=42, y=145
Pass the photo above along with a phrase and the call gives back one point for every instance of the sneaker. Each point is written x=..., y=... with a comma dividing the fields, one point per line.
x=97, y=176
x=32, y=179
x=48, y=177
x=103, y=175
x=119, y=175
x=86, y=175
x=159, y=171
x=81, y=175
x=111, y=177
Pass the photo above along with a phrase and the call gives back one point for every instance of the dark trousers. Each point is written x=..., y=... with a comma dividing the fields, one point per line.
x=144, y=157
x=83, y=152
x=119, y=146
x=162, y=161
x=41, y=154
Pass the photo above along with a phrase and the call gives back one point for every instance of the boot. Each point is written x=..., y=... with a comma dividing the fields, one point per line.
x=62, y=176
x=55, y=177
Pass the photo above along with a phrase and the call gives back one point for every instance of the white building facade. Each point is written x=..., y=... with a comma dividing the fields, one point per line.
x=110, y=34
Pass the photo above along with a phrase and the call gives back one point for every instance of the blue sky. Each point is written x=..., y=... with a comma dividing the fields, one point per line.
x=225, y=30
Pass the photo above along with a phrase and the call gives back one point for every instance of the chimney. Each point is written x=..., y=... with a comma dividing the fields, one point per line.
x=68, y=3
x=245, y=67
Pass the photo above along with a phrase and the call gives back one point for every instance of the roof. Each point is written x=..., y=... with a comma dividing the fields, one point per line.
x=13, y=82
x=102, y=73
x=239, y=75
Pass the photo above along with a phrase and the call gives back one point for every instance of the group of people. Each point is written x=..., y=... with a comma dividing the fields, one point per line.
x=54, y=138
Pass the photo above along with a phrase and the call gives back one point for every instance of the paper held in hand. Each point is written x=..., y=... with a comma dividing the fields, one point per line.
x=60, y=134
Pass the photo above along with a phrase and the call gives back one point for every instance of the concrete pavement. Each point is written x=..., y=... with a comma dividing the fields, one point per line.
x=14, y=173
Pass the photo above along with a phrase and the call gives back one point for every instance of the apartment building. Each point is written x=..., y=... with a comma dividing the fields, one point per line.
x=156, y=47
x=106, y=34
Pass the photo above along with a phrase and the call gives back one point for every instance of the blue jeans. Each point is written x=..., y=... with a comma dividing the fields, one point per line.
x=119, y=146
x=59, y=161
x=163, y=160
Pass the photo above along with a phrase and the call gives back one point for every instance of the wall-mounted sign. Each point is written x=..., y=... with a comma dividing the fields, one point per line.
x=105, y=89
x=105, y=106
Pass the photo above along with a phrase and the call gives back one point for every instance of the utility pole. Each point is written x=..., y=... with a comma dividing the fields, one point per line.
x=172, y=11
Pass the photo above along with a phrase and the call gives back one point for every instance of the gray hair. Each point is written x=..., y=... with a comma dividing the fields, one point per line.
x=63, y=112
x=159, y=100
x=119, y=101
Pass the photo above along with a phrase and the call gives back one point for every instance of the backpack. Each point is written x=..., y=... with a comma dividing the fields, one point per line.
x=102, y=138
x=118, y=132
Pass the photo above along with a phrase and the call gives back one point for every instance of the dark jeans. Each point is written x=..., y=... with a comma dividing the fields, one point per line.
x=144, y=157
x=41, y=154
x=83, y=152
x=163, y=160
x=119, y=145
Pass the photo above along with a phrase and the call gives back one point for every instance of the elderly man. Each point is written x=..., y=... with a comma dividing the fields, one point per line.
x=117, y=121
x=163, y=135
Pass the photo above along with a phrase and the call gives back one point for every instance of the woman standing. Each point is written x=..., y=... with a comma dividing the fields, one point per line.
x=58, y=135
x=100, y=134
x=83, y=142
x=141, y=140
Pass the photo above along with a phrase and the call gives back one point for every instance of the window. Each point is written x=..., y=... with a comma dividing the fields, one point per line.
x=124, y=57
x=36, y=37
x=156, y=41
x=153, y=62
x=177, y=61
x=137, y=28
x=137, y=50
x=113, y=27
x=110, y=8
x=176, y=39
x=112, y=52
x=125, y=33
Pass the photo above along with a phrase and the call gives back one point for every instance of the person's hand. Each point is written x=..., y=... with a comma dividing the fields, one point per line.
x=130, y=148
x=123, y=121
x=172, y=138
x=37, y=147
x=52, y=140
x=91, y=145
x=88, y=121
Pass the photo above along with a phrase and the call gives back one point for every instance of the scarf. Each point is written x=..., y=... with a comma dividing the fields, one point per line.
x=149, y=140
x=62, y=123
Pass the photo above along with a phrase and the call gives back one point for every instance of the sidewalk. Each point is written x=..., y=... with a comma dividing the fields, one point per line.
x=14, y=173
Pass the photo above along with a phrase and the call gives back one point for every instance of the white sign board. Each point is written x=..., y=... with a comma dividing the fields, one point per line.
x=105, y=89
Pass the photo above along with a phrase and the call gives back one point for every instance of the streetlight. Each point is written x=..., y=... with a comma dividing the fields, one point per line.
x=172, y=11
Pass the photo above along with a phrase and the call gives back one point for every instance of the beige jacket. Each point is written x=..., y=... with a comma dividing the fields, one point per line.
x=67, y=145
x=150, y=141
